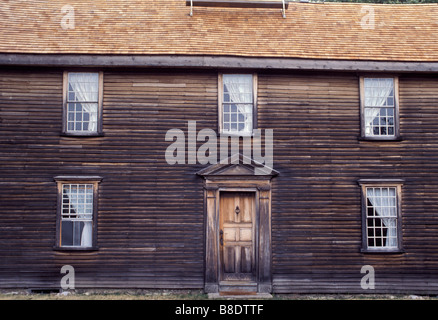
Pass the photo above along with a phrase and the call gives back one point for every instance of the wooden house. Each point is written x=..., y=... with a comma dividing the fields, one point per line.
x=325, y=119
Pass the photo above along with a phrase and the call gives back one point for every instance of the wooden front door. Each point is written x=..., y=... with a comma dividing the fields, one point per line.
x=237, y=236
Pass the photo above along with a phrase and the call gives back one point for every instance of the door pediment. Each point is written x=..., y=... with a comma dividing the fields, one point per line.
x=238, y=166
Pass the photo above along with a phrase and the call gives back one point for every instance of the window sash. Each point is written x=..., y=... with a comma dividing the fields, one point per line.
x=82, y=102
x=379, y=107
x=77, y=215
x=237, y=103
x=381, y=217
x=76, y=233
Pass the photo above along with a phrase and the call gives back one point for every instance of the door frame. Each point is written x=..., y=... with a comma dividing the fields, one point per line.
x=238, y=173
x=262, y=247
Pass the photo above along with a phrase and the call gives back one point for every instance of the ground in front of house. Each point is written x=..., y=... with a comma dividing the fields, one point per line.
x=188, y=295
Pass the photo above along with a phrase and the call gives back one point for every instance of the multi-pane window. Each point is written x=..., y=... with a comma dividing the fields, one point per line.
x=77, y=211
x=82, y=110
x=237, y=103
x=77, y=215
x=381, y=215
x=379, y=103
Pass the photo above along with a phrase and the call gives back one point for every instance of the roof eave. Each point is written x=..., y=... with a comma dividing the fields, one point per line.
x=212, y=62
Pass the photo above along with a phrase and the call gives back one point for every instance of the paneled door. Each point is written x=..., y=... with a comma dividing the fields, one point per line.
x=237, y=236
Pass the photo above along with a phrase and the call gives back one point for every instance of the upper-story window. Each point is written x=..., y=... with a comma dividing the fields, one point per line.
x=237, y=103
x=379, y=108
x=82, y=103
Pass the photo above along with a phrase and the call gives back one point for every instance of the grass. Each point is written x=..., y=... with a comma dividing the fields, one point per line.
x=108, y=295
x=187, y=295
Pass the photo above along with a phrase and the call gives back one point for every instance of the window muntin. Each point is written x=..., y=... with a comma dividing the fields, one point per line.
x=237, y=103
x=379, y=107
x=77, y=215
x=381, y=217
x=82, y=102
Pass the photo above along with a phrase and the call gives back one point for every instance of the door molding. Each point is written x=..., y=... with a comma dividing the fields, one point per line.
x=237, y=177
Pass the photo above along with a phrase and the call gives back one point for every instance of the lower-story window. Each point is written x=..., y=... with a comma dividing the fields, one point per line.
x=77, y=212
x=381, y=219
x=77, y=215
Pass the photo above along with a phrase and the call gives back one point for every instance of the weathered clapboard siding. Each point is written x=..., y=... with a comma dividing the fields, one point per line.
x=150, y=222
x=157, y=206
x=316, y=214
x=151, y=217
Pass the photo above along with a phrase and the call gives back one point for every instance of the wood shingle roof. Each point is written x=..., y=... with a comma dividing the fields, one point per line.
x=338, y=31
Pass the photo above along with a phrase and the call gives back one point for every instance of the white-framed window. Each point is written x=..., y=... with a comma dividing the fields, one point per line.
x=381, y=221
x=77, y=210
x=77, y=215
x=379, y=107
x=237, y=103
x=82, y=102
x=381, y=217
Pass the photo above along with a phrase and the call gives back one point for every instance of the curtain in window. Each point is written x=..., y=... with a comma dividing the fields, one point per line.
x=86, y=88
x=80, y=199
x=384, y=203
x=377, y=92
x=239, y=88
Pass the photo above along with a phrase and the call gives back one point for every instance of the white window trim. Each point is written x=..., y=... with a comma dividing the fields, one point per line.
x=220, y=105
x=396, y=135
x=98, y=130
x=78, y=180
x=381, y=183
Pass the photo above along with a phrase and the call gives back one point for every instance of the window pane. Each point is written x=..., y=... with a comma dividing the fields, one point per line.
x=376, y=131
x=76, y=233
x=84, y=86
x=67, y=233
x=391, y=131
x=237, y=88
